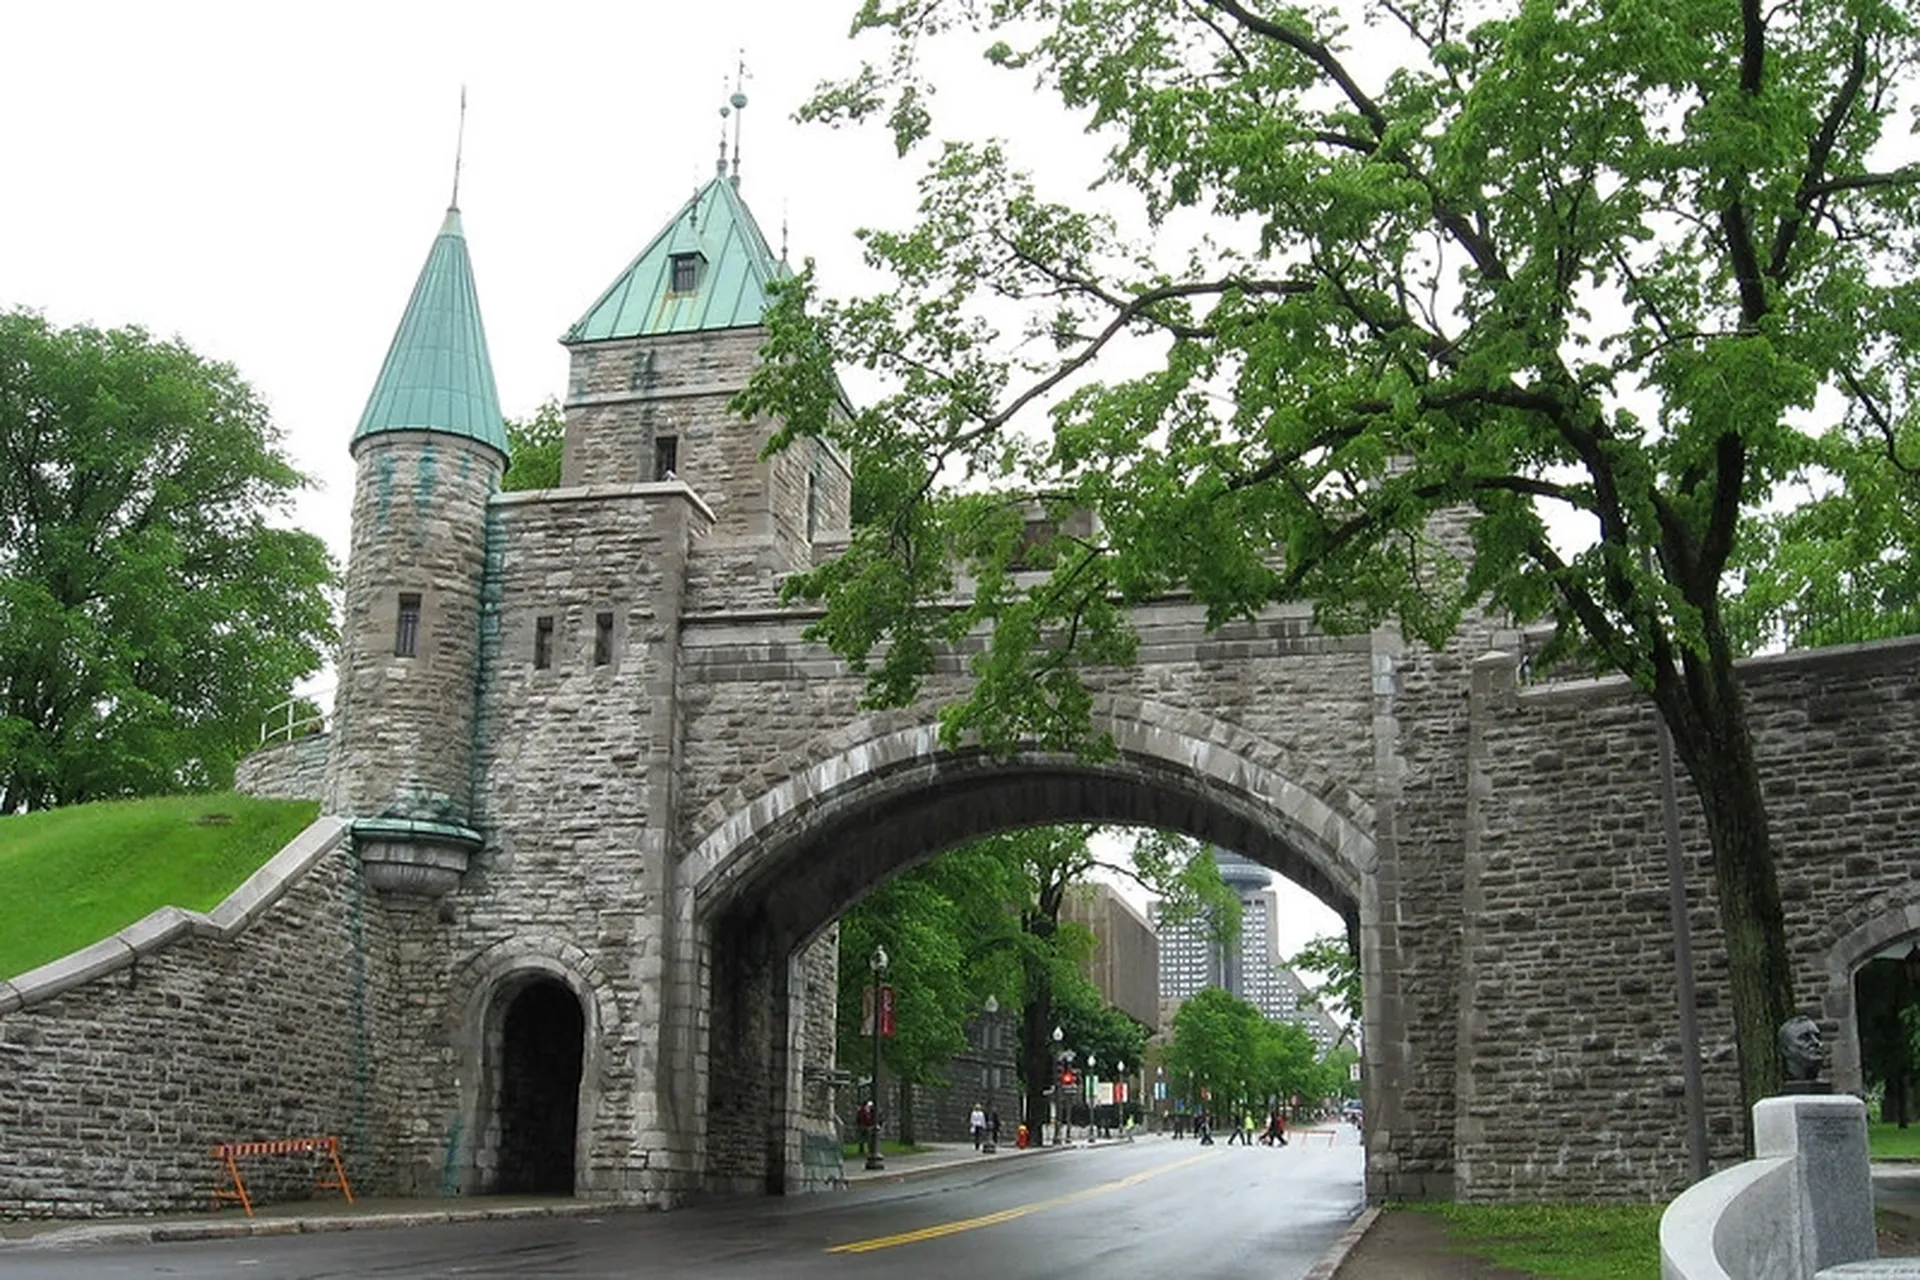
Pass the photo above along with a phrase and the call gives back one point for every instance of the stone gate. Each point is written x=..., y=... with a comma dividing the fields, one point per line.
x=594, y=805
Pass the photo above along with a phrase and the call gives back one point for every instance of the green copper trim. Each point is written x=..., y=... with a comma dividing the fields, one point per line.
x=734, y=268
x=403, y=830
x=437, y=376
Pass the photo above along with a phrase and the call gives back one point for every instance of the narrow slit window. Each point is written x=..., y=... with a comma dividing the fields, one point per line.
x=603, y=640
x=406, y=627
x=686, y=272
x=666, y=458
x=543, y=642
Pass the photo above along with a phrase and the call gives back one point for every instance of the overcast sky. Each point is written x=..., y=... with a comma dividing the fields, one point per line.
x=264, y=180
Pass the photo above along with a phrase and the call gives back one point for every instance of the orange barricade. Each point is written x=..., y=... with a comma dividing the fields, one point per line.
x=229, y=1185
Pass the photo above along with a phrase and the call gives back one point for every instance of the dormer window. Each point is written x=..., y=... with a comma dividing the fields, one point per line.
x=685, y=273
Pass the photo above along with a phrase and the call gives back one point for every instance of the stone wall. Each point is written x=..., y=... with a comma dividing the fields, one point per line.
x=292, y=770
x=1570, y=1070
x=117, y=1087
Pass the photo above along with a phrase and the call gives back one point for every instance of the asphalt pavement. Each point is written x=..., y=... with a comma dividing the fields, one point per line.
x=24, y=1238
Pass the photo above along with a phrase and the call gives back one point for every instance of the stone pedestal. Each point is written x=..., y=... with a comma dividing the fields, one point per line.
x=1827, y=1138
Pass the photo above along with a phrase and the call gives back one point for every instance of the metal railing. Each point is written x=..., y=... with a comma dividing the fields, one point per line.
x=297, y=717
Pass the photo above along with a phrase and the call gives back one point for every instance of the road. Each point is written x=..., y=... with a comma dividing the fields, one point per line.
x=1155, y=1207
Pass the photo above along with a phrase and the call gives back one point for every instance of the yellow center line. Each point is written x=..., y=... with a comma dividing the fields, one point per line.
x=1008, y=1215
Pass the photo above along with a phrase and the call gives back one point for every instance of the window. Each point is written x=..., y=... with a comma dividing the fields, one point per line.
x=543, y=642
x=666, y=457
x=603, y=640
x=406, y=630
x=686, y=273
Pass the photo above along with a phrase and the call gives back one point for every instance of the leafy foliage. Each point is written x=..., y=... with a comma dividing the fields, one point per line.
x=1528, y=310
x=150, y=611
x=1222, y=1044
x=986, y=920
x=1332, y=958
x=535, y=444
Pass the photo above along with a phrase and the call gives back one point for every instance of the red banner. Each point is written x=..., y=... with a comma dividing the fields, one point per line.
x=886, y=1011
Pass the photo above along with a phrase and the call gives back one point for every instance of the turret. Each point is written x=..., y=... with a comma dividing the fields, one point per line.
x=429, y=452
x=658, y=357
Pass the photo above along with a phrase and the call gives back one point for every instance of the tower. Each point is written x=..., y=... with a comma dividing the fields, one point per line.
x=655, y=362
x=429, y=452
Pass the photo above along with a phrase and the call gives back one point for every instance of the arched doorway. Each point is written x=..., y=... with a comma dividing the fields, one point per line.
x=542, y=1038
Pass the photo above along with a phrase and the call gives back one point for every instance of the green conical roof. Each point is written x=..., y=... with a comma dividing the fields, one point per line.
x=437, y=376
x=734, y=267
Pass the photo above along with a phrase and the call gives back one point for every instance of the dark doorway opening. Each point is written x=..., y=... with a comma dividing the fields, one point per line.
x=540, y=1054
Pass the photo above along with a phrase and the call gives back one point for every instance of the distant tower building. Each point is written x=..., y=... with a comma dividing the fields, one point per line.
x=1126, y=957
x=1252, y=969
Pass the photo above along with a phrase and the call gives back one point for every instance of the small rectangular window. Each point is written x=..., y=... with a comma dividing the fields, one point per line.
x=543, y=642
x=406, y=630
x=603, y=640
x=666, y=457
x=686, y=273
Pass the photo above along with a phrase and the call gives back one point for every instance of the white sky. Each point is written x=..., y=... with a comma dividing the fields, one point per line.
x=264, y=180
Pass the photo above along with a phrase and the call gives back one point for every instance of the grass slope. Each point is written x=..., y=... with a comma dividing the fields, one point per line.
x=69, y=877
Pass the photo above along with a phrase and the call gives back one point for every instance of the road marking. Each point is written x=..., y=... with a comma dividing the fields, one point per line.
x=1008, y=1215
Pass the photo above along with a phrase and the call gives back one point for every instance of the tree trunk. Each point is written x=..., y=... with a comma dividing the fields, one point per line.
x=1036, y=1052
x=1711, y=737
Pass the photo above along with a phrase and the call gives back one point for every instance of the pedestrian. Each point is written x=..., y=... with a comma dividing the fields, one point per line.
x=1179, y=1125
x=1203, y=1128
x=993, y=1125
x=977, y=1122
x=1247, y=1129
x=1277, y=1130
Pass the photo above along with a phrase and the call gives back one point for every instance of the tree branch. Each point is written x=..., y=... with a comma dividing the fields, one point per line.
x=1813, y=182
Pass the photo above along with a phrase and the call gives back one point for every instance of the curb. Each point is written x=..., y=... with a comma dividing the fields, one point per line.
x=194, y=1230
x=1330, y=1262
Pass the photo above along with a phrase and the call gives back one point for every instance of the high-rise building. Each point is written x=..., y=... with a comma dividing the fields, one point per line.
x=1125, y=959
x=1251, y=968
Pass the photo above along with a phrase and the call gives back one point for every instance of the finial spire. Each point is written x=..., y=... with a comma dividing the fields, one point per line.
x=459, y=145
x=739, y=104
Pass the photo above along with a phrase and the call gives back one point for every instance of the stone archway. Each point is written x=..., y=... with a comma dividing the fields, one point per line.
x=764, y=887
x=1891, y=927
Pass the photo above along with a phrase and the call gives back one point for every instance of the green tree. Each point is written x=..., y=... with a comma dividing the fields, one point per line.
x=150, y=611
x=944, y=925
x=1838, y=567
x=535, y=445
x=985, y=919
x=1596, y=261
x=1222, y=1046
x=1331, y=958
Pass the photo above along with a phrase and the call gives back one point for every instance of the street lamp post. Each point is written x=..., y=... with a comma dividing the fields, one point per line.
x=1093, y=1097
x=991, y=1040
x=1058, y=1036
x=1119, y=1087
x=874, y=1158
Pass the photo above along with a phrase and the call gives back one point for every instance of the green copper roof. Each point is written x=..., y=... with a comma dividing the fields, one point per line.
x=437, y=376
x=730, y=292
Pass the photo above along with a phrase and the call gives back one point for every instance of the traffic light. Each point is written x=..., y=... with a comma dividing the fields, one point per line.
x=1066, y=1076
